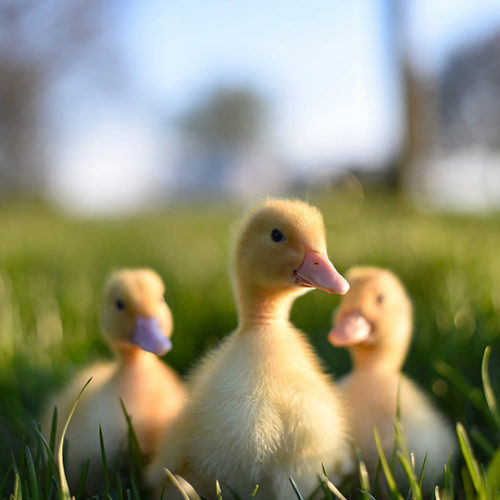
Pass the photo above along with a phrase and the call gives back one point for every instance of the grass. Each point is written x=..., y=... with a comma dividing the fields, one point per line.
x=52, y=268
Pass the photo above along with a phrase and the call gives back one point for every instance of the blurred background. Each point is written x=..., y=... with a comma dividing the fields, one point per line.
x=132, y=133
x=111, y=107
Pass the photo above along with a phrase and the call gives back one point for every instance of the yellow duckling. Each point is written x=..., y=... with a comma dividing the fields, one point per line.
x=137, y=323
x=261, y=408
x=374, y=321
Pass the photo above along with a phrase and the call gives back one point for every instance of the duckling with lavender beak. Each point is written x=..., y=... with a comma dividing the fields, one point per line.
x=261, y=408
x=374, y=321
x=137, y=324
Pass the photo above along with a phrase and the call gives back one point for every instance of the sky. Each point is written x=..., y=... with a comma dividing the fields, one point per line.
x=293, y=51
x=325, y=66
x=436, y=28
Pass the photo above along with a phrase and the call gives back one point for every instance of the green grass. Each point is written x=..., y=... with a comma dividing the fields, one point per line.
x=52, y=269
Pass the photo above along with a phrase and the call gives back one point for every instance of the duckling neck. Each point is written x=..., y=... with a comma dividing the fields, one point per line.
x=129, y=354
x=377, y=359
x=259, y=308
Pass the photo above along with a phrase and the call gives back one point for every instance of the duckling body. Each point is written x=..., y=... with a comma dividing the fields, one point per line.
x=256, y=405
x=261, y=407
x=373, y=401
x=374, y=321
x=151, y=391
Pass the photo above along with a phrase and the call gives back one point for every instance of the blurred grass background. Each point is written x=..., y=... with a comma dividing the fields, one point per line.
x=52, y=269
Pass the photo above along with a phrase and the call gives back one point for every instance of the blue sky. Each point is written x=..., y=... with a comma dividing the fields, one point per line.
x=322, y=64
x=326, y=67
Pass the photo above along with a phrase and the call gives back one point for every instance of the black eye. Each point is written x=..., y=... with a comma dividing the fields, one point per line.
x=380, y=298
x=277, y=236
x=120, y=305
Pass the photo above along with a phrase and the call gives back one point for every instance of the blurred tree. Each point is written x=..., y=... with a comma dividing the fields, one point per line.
x=224, y=125
x=227, y=119
x=38, y=42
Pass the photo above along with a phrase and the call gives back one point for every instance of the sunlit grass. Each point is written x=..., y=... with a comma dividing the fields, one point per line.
x=52, y=269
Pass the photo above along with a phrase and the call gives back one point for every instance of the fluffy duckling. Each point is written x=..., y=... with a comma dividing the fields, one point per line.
x=261, y=408
x=374, y=320
x=137, y=324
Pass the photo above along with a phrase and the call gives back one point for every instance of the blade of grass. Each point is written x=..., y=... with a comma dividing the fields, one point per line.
x=367, y=494
x=493, y=474
x=177, y=484
x=468, y=486
x=17, y=495
x=83, y=478
x=65, y=494
x=451, y=481
x=25, y=488
x=22, y=462
x=437, y=496
x=488, y=391
x=49, y=464
x=4, y=480
x=385, y=466
x=51, y=489
x=295, y=489
x=32, y=476
x=400, y=443
x=104, y=463
x=410, y=474
x=218, y=491
x=422, y=469
x=46, y=445
x=254, y=492
x=119, y=486
x=14, y=464
x=377, y=479
x=136, y=455
x=470, y=461
x=21, y=471
x=53, y=431
x=39, y=459
x=363, y=474
x=325, y=478
x=135, y=488
x=335, y=490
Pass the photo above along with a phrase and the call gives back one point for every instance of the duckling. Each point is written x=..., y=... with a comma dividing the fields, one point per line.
x=374, y=320
x=137, y=324
x=261, y=408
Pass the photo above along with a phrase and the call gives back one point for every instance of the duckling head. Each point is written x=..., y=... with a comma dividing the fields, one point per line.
x=374, y=320
x=134, y=313
x=281, y=250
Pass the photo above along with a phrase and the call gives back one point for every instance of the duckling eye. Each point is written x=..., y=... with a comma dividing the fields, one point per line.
x=120, y=305
x=277, y=236
x=162, y=299
x=380, y=298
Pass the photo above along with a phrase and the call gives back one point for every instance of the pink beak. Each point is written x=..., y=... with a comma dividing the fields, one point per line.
x=350, y=330
x=317, y=271
x=149, y=336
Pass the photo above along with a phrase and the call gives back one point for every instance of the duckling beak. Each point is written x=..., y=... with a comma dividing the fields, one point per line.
x=317, y=271
x=351, y=329
x=149, y=336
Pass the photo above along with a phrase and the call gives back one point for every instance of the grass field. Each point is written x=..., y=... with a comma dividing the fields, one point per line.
x=52, y=269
